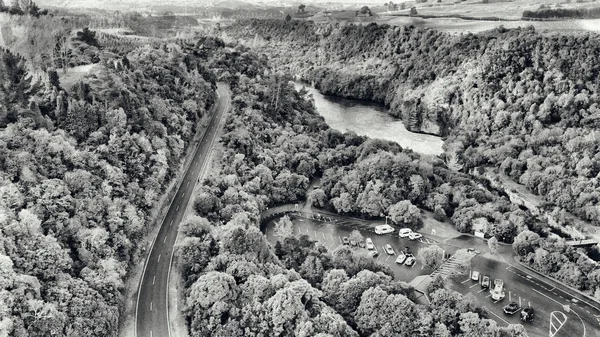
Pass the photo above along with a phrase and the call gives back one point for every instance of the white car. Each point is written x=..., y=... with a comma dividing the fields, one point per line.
x=415, y=236
x=370, y=244
x=410, y=261
x=475, y=276
x=389, y=249
x=404, y=232
x=401, y=258
x=384, y=229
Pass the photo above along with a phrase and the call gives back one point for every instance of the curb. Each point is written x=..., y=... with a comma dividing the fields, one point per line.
x=595, y=302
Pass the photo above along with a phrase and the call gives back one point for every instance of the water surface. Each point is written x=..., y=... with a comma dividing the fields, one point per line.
x=372, y=120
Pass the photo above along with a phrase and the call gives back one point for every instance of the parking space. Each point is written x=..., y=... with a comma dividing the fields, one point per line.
x=550, y=313
x=549, y=303
x=330, y=232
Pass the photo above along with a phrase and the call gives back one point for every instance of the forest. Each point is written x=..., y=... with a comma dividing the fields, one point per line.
x=237, y=284
x=81, y=169
x=521, y=101
x=563, y=13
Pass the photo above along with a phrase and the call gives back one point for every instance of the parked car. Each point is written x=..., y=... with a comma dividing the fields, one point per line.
x=345, y=240
x=404, y=232
x=475, y=275
x=485, y=282
x=361, y=244
x=384, y=229
x=401, y=258
x=527, y=314
x=370, y=244
x=389, y=249
x=498, y=283
x=410, y=261
x=374, y=254
x=497, y=293
x=511, y=308
x=415, y=236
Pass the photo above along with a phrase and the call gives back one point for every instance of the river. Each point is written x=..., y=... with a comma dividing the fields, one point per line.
x=372, y=120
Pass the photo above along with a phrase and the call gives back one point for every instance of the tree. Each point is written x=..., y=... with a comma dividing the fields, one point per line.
x=431, y=256
x=525, y=243
x=493, y=245
x=365, y=10
x=301, y=8
x=436, y=284
x=405, y=213
x=356, y=236
x=284, y=228
x=288, y=17
x=413, y=11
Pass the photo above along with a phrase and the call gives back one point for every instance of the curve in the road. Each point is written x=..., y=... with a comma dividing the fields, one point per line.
x=152, y=314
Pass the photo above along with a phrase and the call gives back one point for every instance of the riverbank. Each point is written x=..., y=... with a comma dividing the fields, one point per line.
x=371, y=119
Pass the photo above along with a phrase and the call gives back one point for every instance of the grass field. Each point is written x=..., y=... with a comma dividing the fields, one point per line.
x=508, y=14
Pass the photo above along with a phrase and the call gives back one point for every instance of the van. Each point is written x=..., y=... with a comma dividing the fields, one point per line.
x=404, y=232
x=383, y=229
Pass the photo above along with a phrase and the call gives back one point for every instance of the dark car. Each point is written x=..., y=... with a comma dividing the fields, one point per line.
x=511, y=308
x=345, y=240
x=374, y=254
x=527, y=314
x=485, y=281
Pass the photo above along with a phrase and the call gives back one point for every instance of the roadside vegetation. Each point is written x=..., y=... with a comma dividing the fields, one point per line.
x=81, y=169
x=237, y=284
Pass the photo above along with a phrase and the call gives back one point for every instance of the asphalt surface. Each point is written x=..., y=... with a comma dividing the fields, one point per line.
x=581, y=318
x=151, y=309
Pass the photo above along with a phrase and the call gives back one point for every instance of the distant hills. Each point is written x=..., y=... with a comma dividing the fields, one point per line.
x=175, y=4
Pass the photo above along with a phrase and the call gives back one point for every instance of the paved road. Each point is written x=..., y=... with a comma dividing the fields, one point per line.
x=151, y=310
x=521, y=286
x=525, y=288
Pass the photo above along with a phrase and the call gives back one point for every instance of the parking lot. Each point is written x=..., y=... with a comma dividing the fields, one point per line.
x=550, y=303
x=330, y=233
x=555, y=310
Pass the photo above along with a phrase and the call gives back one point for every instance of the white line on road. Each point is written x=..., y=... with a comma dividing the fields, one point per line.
x=465, y=281
x=482, y=290
x=158, y=257
x=153, y=279
x=165, y=239
x=170, y=223
x=177, y=208
x=473, y=285
x=340, y=239
x=150, y=306
x=183, y=195
x=188, y=184
x=488, y=295
x=150, y=333
x=503, y=320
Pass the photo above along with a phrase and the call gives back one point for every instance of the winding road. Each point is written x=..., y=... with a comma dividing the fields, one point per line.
x=151, y=314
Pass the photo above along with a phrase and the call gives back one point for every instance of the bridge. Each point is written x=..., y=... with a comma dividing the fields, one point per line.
x=581, y=243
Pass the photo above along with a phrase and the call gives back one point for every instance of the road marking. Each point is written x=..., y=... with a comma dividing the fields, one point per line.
x=153, y=279
x=315, y=234
x=502, y=319
x=165, y=239
x=340, y=239
x=473, y=285
x=509, y=299
x=150, y=333
x=177, y=208
x=188, y=184
x=497, y=301
x=158, y=257
x=481, y=291
x=150, y=306
x=170, y=223
x=553, y=316
x=488, y=296
x=465, y=281
x=183, y=195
